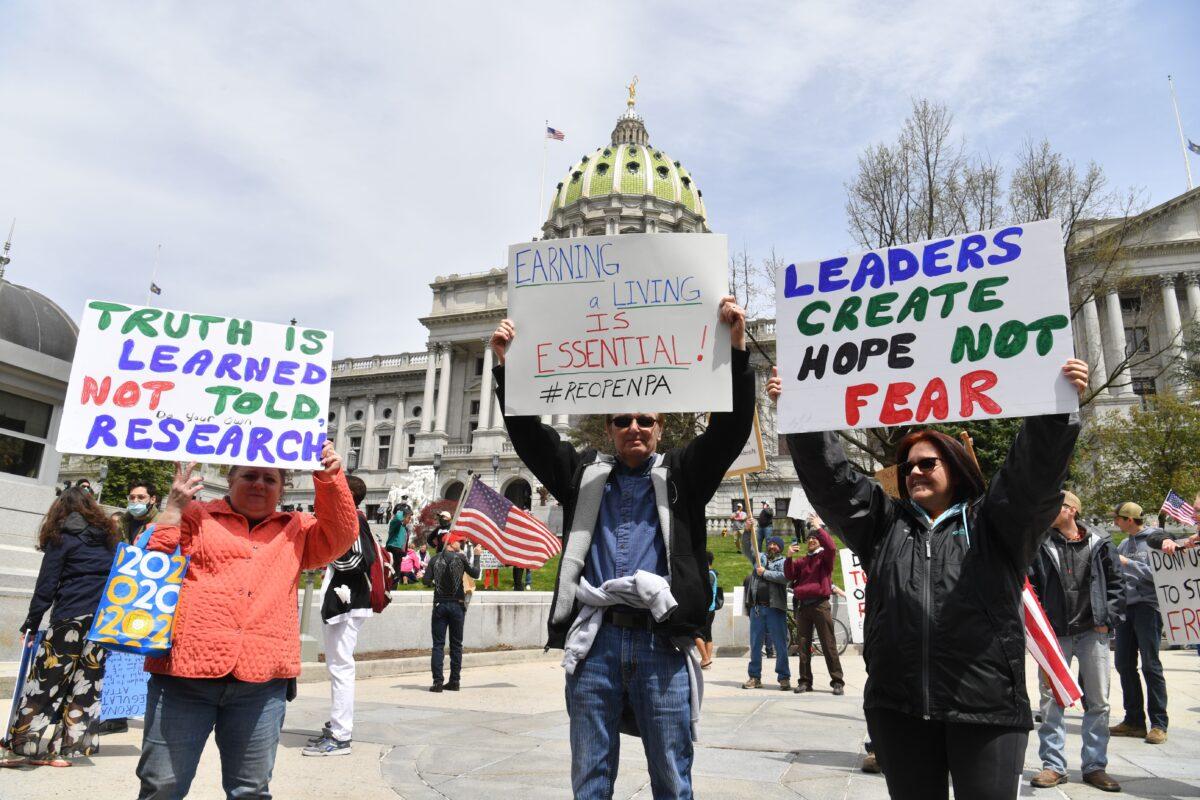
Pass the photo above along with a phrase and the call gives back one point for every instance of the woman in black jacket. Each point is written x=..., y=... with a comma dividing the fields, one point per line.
x=946, y=562
x=60, y=706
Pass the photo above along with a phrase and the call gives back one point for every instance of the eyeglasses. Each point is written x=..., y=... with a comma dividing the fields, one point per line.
x=923, y=464
x=625, y=420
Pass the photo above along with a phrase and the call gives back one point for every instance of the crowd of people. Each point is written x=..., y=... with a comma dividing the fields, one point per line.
x=634, y=602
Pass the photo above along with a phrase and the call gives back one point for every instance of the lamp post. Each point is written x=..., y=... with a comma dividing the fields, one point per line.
x=437, y=467
x=496, y=471
x=352, y=462
x=103, y=478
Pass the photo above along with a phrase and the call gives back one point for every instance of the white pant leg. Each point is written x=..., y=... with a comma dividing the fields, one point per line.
x=340, y=639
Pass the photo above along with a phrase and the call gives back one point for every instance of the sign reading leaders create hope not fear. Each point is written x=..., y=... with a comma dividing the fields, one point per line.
x=182, y=386
x=618, y=323
x=965, y=327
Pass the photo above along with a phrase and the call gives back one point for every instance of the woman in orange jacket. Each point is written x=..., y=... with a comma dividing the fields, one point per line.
x=236, y=643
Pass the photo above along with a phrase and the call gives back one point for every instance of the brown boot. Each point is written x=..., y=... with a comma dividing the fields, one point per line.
x=784, y=684
x=1156, y=736
x=1048, y=778
x=1099, y=778
x=752, y=683
x=1125, y=729
x=871, y=764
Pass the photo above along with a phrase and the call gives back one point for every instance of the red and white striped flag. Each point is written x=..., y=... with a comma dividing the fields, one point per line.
x=1042, y=644
x=516, y=537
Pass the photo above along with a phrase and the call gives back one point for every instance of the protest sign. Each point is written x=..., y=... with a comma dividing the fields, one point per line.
x=1177, y=584
x=182, y=386
x=488, y=560
x=753, y=457
x=123, y=694
x=798, y=505
x=618, y=323
x=854, y=582
x=965, y=327
x=30, y=642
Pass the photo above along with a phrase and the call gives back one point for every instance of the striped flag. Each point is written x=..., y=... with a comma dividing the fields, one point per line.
x=516, y=537
x=1195, y=148
x=552, y=133
x=1178, y=508
x=1042, y=644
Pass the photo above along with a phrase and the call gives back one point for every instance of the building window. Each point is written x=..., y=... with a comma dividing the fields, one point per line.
x=358, y=414
x=478, y=366
x=781, y=507
x=1131, y=305
x=356, y=444
x=474, y=408
x=1137, y=340
x=416, y=412
x=332, y=416
x=385, y=450
x=24, y=426
x=412, y=444
x=783, y=448
x=1144, y=386
x=387, y=413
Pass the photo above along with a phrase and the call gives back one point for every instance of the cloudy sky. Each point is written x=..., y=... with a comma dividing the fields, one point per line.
x=326, y=161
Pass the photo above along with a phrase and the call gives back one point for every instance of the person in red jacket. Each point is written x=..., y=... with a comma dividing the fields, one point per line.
x=809, y=577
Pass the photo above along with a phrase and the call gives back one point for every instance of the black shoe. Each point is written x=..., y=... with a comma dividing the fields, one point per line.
x=839, y=689
x=437, y=687
x=113, y=726
x=452, y=686
x=801, y=688
x=326, y=733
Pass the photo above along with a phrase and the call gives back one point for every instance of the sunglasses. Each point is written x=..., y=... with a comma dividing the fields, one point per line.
x=923, y=464
x=623, y=421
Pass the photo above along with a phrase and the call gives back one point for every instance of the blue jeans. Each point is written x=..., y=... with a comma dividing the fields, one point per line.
x=447, y=615
x=1091, y=649
x=764, y=533
x=1137, y=636
x=182, y=712
x=630, y=671
x=764, y=621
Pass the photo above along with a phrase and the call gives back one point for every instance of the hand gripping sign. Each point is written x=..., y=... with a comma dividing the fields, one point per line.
x=137, y=609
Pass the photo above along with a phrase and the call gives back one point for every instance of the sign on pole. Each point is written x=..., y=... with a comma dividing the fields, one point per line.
x=1177, y=584
x=854, y=579
x=753, y=457
x=798, y=505
x=618, y=323
x=181, y=386
x=965, y=327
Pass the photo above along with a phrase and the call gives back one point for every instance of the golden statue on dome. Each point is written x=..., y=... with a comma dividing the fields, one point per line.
x=632, y=87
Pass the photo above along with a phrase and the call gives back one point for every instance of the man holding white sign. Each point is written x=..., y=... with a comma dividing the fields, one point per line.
x=631, y=523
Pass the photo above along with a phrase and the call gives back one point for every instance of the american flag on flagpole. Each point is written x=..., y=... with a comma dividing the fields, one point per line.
x=1042, y=644
x=514, y=536
x=554, y=133
x=1178, y=508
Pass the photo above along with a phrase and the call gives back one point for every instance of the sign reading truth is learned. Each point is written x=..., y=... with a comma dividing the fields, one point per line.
x=966, y=327
x=618, y=323
x=181, y=386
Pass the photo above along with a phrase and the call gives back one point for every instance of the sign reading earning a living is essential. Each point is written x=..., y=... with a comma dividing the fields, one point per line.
x=854, y=581
x=618, y=323
x=183, y=386
x=1177, y=584
x=966, y=327
x=123, y=693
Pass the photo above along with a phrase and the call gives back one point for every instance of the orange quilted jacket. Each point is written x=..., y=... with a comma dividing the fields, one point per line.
x=237, y=611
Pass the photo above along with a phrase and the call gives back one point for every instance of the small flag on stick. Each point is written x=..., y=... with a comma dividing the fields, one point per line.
x=514, y=536
x=553, y=133
x=1178, y=508
x=1195, y=148
x=154, y=288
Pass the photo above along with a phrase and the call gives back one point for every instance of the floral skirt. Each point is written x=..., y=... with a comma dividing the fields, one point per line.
x=60, y=706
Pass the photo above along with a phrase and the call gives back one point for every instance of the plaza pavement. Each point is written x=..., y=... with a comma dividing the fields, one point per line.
x=505, y=735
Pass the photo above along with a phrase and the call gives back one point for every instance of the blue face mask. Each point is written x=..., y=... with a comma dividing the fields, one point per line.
x=137, y=509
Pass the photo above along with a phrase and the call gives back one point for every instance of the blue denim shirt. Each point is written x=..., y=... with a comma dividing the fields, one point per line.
x=627, y=536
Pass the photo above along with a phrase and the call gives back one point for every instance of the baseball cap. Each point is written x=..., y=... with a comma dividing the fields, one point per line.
x=1130, y=510
x=1069, y=499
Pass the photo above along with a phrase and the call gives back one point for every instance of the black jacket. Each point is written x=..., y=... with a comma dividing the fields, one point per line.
x=695, y=473
x=445, y=574
x=352, y=570
x=72, y=575
x=944, y=632
x=1106, y=587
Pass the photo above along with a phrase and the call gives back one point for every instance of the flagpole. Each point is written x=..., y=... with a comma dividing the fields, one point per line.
x=1179, y=124
x=542, y=182
x=154, y=277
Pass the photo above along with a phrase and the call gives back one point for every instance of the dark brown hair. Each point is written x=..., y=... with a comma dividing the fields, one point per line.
x=966, y=481
x=75, y=500
x=358, y=488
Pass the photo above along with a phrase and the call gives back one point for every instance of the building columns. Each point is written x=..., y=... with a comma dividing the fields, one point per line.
x=427, y=399
x=1192, y=281
x=497, y=413
x=1122, y=386
x=1095, y=346
x=1171, y=311
x=399, y=446
x=343, y=409
x=485, y=389
x=443, y=397
x=366, y=459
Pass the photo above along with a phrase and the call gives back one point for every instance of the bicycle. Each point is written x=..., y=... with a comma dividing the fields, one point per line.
x=841, y=632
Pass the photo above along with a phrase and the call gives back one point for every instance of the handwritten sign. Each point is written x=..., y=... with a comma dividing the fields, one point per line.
x=753, y=457
x=798, y=505
x=123, y=694
x=965, y=327
x=173, y=385
x=488, y=560
x=1177, y=584
x=854, y=581
x=607, y=324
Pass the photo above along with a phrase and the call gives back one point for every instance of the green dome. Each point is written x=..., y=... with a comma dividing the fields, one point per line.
x=628, y=169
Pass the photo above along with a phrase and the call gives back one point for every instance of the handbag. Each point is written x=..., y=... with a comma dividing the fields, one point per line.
x=137, y=609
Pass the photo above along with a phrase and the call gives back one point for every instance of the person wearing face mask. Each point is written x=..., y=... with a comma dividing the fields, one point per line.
x=945, y=696
x=141, y=509
x=633, y=588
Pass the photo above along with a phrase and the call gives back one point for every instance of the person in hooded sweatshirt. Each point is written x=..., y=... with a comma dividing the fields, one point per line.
x=57, y=716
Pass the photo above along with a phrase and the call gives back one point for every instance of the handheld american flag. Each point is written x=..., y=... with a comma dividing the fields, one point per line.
x=1178, y=508
x=1042, y=644
x=516, y=537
